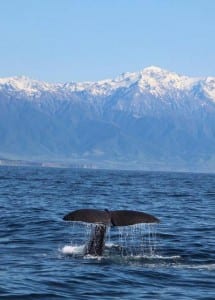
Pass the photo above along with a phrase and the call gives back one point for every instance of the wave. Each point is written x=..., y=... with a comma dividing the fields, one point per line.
x=147, y=260
x=208, y=267
x=78, y=250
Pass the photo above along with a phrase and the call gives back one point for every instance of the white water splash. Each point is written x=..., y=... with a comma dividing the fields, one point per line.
x=72, y=250
x=110, y=245
x=138, y=240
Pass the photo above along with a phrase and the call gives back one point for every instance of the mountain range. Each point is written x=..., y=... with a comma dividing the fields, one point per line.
x=151, y=120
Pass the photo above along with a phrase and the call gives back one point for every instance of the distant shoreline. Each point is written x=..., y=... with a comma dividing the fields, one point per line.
x=113, y=166
x=23, y=163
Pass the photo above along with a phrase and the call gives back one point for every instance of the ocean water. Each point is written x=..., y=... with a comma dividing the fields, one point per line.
x=41, y=255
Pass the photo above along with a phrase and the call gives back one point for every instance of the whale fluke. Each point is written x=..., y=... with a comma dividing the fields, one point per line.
x=112, y=218
x=102, y=219
x=131, y=217
x=89, y=216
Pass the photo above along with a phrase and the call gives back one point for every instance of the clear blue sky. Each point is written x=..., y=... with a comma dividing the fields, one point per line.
x=77, y=40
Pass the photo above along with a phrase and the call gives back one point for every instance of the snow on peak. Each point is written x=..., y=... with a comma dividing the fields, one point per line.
x=26, y=85
x=151, y=80
x=153, y=70
x=209, y=87
x=151, y=76
x=162, y=81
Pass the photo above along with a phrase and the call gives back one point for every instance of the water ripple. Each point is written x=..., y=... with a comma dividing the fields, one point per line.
x=42, y=256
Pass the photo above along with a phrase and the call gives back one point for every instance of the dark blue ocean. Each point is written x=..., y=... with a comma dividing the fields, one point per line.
x=41, y=255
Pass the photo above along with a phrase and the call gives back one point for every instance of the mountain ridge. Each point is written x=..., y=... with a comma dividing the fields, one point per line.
x=150, y=75
x=152, y=117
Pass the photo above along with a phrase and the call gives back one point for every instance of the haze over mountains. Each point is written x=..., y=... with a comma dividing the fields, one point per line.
x=153, y=119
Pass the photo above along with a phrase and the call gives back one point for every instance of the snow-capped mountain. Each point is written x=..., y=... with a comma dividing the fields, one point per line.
x=149, y=119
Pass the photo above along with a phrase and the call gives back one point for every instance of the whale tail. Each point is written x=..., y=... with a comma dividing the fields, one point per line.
x=110, y=218
x=88, y=216
x=103, y=218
